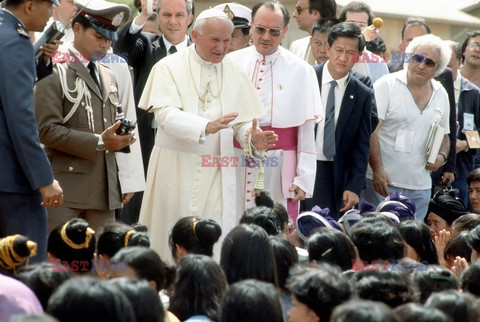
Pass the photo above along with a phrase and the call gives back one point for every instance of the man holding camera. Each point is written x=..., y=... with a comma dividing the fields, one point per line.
x=77, y=109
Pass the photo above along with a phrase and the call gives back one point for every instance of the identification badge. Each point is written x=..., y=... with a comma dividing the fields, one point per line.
x=404, y=140
x=468, y=122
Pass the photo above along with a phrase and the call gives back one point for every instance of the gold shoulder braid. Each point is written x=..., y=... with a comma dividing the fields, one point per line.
x=127, y=237
x=252, y=162
x=69, y=242
x=9, y=259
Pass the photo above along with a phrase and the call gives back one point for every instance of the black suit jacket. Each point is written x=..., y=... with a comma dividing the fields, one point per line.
x=446, y=78
x=352, y=137
x=142, y=50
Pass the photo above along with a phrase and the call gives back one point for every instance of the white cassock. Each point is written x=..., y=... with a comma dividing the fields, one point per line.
x=288, y=88
x=303, y=49
x=183, y=179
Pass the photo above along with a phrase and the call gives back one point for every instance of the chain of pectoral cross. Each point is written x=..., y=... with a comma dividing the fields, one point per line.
x=204, y=98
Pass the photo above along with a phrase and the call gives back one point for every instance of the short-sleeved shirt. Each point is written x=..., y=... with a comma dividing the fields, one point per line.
x=399, y=112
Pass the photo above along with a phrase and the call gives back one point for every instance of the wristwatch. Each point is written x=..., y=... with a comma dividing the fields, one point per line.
x=100, y=144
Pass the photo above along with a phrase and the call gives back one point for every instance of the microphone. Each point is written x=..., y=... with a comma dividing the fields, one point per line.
x=377, y=22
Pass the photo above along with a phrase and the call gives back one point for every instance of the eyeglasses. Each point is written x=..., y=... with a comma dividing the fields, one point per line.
x=473, y=45
x=274, y=32
x=300, y=9
x=422, y=59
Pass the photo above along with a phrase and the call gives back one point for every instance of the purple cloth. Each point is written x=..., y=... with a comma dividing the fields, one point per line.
x=16, y=298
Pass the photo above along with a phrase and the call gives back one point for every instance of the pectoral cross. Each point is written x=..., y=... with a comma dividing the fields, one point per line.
x=205, y=99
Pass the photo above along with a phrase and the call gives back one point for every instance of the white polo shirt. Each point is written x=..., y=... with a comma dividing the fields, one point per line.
x=399, y=112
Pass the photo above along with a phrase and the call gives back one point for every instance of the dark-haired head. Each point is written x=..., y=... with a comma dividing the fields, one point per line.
x=416, y=22
x=43, y=279
x=282, y=217
x=413, y=312
x=145, y=301
x=331, y=246
x=118, y=235
x=145, y=263
x=89, y=299
x=457, y=246
x=272, y=5
x=434, y=279
x=474, y=243
x=199, y=288
x=264, y=217
x=74, y=243
x=377, y=240
x=263, y=198
x=346, y=30
x=460, y=307
x=393, y=288
x=193, y=235
x=363, y=311
x=320, y=289
x=419, y=242
x=247, y=253
x=324, y=25
x=14, y=250
x=470, y=280
x=286, y=257
x=356, y=6
x=251, y=300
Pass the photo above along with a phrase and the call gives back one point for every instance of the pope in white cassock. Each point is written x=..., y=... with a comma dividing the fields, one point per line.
x=289, y=91
x=201, y=101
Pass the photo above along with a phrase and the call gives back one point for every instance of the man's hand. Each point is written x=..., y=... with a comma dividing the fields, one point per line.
x=220, y=123
x=381, y=181
x=114, y=142
x=439, y=162
x=350, y=199
x=126, y=197
x=262, y=140
x=370, y=33
x=461, y=145
x=50, y=49
x=450, y=176
x=299, y=193
x=144, y=15
x=52, y=195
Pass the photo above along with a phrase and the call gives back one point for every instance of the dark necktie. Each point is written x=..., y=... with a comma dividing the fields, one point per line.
x=172, y=50
x=91, y=67
x=329, y=129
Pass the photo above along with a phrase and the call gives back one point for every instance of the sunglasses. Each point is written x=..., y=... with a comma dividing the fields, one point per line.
x=274, y=32
x=422, y=59
x=300, y=9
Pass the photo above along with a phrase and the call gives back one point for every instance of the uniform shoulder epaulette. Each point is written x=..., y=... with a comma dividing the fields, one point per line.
x=21, y=31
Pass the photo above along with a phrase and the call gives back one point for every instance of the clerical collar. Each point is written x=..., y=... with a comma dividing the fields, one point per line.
x=179, y=46
x=267, y=58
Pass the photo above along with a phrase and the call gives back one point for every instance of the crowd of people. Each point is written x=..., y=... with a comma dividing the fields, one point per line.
x=152, y=173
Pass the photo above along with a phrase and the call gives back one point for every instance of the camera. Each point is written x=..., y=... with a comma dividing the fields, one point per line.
x=126, y=127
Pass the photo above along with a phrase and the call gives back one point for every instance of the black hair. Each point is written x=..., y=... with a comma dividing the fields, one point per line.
x=14, y=250
x=470, y=279
x=327, y=8
x=281, y=213
x=460, y=307
x=324, y=25
x=363, y=311
x=147, y=264
x=264, y=217
x=466, y=222
x=320, y=289
x=82, y=21
x=377, y=240
x=195, y=235
x=331, y=246
x=470, y=35
x=263, y=198
x=78, y=234
x=413, y=312
x=116, y=236
x=32, y=317
x=247, y=253
x=272, y=5
x=474, y=239
x=417, y=235
x=253, y=301
x=346, y=30
x=89, y=299
x=434, y=279
x=199, y=288
x=475, y=174
x=43, y=279
x=416, y=22
x=356, y=6
x=145, y=301
x=286, y=257
x=458, y=246
x=393, y=288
